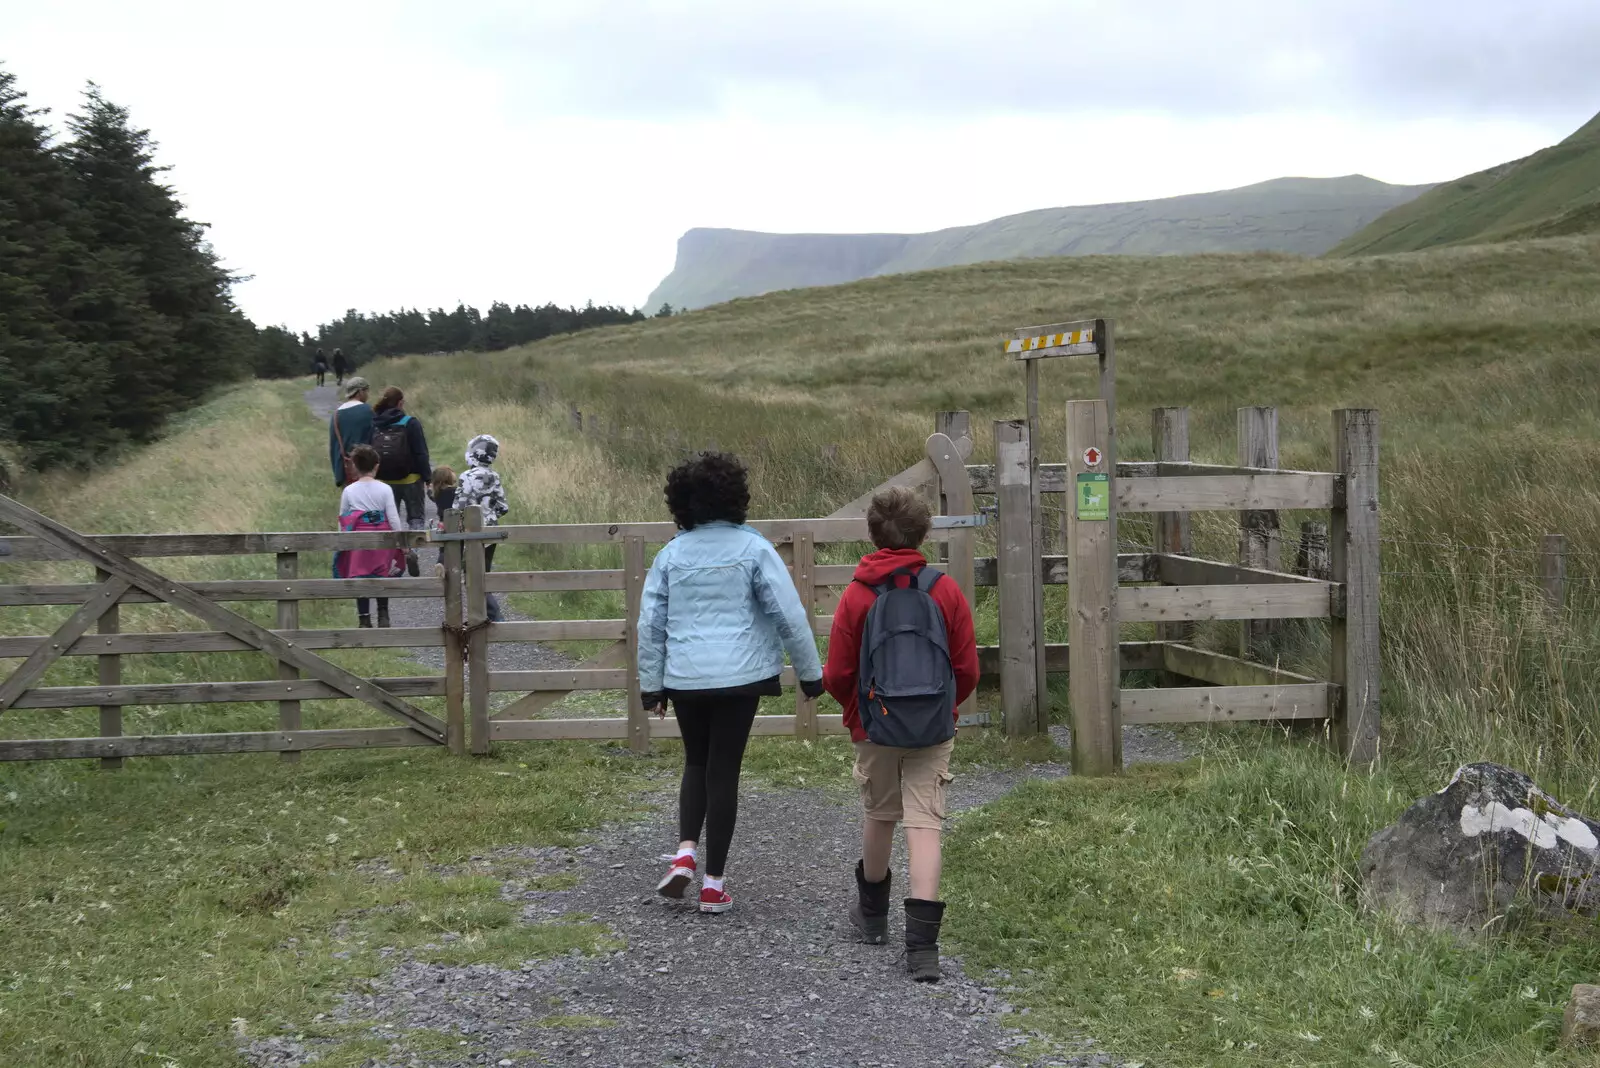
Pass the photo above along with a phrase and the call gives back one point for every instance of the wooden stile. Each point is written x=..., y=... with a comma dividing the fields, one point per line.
x=1017, y=579
x=288, y=619
x=1092, y=610
x=1354, y=554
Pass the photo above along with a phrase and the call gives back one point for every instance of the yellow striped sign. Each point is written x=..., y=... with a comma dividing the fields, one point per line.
x=1049, y=341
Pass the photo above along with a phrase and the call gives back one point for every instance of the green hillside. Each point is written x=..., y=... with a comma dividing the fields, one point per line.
x=1306, y=216
x=1552, y=192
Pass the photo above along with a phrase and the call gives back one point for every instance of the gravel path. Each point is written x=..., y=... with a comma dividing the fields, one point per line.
x=429, y=612
x=774, y=982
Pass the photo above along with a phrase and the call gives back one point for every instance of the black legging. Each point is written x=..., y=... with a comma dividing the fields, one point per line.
x=715, y=730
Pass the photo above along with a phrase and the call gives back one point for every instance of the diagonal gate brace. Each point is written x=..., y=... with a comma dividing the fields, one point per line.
x=180, y=596
x=52, y=648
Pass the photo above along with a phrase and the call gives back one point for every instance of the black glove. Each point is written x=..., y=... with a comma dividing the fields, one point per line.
x=652, y=699
x=812, y=689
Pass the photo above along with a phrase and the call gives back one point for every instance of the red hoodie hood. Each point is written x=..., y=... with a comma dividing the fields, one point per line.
x=876, y=567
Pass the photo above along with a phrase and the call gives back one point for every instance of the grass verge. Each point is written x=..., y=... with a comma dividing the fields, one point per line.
x=1206, y=914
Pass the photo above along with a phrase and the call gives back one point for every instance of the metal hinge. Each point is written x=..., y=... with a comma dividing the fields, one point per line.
x=946, y=522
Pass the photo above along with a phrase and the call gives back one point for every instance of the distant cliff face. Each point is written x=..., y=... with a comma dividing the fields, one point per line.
x=1298, y=215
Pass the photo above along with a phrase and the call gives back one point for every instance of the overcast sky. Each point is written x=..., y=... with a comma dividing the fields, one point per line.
x=373, y=155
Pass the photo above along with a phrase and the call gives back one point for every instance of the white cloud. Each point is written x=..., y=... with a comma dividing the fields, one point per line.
x=375, y=155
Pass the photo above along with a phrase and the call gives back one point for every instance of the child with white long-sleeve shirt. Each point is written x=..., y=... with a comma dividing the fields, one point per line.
x=368, y=495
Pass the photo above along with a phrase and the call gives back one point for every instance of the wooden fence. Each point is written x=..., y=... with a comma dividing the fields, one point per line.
x=1169, y=587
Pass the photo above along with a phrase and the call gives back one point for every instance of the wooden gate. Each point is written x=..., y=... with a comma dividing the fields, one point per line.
x=302, y=674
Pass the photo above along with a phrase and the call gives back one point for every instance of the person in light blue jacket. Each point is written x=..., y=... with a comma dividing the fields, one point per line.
x=717, y=613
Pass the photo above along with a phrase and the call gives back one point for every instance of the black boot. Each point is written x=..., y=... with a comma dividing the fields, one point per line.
x=383, y=617
x=922, y=938
x=870, y=913
x=364, y=621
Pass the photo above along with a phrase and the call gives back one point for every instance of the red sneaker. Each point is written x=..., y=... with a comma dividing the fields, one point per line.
x=715, y=901
x=678, y=878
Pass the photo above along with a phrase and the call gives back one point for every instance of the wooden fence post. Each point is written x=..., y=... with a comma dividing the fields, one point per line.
x=455, y=654
x=805, y=582
x=110, y=666
x=1169, y=436
x=1017, y=578
x=633, y=595
x=1094, y=668
x=1353, y=550
x=955, y=426
x=288, y=619
x=1311, y=559
x=1260, y=539
x=1553, y=570
x=477, y=633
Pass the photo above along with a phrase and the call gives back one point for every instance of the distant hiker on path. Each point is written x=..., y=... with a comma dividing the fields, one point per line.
x=367, y=505
x=351, y=425
x=341, y=366
x=717, y=612
x=319, y=367
x=480, y=488
x=402, y=450
x=901, y=659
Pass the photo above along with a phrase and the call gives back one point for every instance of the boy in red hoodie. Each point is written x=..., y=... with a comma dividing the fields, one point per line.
x=899, y=785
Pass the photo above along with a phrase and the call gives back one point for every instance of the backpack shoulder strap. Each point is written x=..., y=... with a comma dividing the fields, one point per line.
x=926, y=577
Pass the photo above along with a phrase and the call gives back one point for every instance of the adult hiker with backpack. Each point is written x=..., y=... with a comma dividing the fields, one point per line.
x=319, y=367
x=402, y=450
x=341, y=366
x=350, y=425
x=901, y=659
x=717, y=612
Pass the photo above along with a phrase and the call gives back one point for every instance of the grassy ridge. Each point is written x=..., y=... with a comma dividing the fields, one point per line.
x=1554, y=191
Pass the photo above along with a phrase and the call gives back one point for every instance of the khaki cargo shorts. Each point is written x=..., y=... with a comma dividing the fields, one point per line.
x=904, y=785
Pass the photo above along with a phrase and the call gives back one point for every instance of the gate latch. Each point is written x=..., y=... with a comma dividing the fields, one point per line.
x=946, y=522
x=470, y=535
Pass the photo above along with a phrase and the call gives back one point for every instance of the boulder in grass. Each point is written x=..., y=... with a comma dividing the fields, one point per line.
x=1581, y=1026
x=1460, y=858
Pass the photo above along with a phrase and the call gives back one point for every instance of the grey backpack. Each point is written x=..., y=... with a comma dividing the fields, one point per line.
x=907, y=686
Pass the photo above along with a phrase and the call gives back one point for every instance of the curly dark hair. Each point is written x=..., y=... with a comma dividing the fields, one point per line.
x=712, y=486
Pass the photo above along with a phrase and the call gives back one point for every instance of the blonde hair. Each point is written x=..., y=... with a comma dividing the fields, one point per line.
x=898, y=519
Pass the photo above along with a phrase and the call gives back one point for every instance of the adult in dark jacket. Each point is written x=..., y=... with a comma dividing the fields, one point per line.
x=408, y=474
x=341, y=366
x=352, y=423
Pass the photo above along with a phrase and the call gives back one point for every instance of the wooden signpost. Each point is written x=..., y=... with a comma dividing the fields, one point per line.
x=1031, y=344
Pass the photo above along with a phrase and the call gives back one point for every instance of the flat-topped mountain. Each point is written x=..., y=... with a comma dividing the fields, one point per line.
x=1297, y=215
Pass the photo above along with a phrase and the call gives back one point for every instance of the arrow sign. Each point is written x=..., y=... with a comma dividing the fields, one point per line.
x=1092, y=457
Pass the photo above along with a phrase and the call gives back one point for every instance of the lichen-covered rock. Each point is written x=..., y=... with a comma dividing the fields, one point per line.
x=1581, y=1025
x=1463, y=856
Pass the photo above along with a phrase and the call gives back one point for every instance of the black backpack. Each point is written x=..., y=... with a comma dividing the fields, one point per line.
x=907, y=686
x=393, y=446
